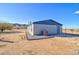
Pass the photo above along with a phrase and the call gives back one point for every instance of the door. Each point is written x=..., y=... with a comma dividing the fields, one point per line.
x=44, y=32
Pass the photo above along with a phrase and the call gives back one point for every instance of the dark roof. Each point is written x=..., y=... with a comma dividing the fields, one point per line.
x=47, y=22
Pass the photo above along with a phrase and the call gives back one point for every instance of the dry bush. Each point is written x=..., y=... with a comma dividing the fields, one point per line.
x=5, y=26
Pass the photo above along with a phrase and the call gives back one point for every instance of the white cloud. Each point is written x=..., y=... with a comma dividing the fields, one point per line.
x=77, y=12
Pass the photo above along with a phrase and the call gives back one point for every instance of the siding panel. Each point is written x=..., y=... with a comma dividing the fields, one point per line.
x=52, y=29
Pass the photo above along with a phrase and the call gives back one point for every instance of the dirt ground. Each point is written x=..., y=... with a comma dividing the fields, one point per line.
x=14, y=42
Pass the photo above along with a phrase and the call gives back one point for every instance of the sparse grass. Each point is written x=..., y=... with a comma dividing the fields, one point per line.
x=2, y=45
x=22, y=46
x=73, y=31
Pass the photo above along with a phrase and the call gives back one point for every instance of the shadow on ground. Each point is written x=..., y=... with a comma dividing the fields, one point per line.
x=4, y=40
x=51, y=36
x=66, y=35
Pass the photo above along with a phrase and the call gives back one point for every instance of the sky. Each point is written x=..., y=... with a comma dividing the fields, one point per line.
x=64, y=13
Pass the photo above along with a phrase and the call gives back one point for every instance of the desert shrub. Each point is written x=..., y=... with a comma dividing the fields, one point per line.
x=5, y=26
x=71, y=30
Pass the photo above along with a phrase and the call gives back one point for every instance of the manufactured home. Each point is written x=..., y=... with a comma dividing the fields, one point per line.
x=45, y=27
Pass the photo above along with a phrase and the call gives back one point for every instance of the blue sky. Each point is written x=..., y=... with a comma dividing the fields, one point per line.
x=67, y=14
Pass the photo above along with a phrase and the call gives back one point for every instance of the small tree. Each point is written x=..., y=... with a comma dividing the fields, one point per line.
x=72, y=30
x=5, y=26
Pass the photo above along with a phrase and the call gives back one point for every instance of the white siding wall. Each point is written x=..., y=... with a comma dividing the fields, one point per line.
x=30, y=29
x=52, y=29
x=60, y=29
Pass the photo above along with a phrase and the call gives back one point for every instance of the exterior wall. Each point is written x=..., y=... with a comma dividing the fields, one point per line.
x=59, y=29
x=52, y=29
x=35, y=29
x=30, y=29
